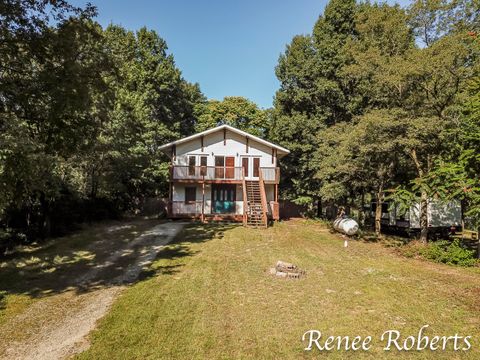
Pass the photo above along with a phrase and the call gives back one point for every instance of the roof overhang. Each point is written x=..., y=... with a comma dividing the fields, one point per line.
x=281, y=151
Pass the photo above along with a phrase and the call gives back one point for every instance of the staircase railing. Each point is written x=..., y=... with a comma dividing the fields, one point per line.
x=245, y=205
x=263, y=197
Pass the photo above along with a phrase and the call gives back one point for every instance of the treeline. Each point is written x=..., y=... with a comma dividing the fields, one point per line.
x=377, y=101
x=82, y=112
x=383, y=100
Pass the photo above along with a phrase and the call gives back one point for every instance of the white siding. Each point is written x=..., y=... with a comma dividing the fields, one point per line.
x=214, y=146
x=235, y=146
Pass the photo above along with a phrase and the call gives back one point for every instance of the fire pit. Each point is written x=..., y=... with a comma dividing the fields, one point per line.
x=287, y=270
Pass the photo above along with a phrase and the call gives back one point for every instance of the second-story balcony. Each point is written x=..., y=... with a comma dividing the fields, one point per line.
x=185, y=173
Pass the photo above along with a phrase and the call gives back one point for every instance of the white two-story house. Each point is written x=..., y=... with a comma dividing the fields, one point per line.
x=224, y=174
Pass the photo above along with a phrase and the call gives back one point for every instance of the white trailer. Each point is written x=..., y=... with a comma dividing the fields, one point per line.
x=442, y=217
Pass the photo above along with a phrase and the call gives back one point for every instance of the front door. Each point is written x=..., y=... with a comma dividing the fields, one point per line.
x=245, y=167
x=251, y=167
x=224, y=167
x=219, y=167
x=223, y=198
x=229, y=167
x=256, y=167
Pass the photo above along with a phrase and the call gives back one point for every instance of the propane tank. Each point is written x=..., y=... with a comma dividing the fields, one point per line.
x=345, y=225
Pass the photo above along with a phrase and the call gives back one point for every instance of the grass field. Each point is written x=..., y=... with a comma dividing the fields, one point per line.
x=209, y=295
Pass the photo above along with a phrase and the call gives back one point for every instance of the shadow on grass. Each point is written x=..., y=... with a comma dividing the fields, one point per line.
x=180, y=247
x=96, y=258
x=389, y=239
x=2, y=300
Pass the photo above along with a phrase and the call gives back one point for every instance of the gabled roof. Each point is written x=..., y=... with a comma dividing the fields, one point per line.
x=281, y=151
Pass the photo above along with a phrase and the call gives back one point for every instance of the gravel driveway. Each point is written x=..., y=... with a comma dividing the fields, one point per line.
x=58, y=325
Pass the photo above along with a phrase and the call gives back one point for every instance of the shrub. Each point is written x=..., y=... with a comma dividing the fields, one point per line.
x=446, y=252
x=452, y=253
x=9, y=239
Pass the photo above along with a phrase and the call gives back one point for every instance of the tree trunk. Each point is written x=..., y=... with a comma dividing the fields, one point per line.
x=423, y=198
x=378, y=210
x=93, y=184
x=27, y=217
x=319, y=208
x=478, y=245
x=424, y=217
x=46, y=221
x=462, y=210
x=361, y=215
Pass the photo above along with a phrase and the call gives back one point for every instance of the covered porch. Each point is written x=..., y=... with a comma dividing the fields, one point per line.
x=215, y=201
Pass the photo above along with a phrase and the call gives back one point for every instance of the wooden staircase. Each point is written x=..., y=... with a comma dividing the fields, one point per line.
x=256, y=207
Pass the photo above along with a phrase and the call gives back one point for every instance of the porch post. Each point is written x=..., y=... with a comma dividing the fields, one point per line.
x=170, y=190
x=170, y=201
x=203, y=201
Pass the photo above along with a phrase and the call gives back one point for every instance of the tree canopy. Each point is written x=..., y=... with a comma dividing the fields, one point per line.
x=235, y=111
x=82, y=113
x=377, y=94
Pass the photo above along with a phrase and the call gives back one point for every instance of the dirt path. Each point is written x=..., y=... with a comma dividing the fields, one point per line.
x=58, y=325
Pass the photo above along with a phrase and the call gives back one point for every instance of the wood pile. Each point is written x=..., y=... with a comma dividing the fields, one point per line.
x=287, y=270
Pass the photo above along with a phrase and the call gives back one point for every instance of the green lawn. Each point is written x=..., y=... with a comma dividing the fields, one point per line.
x=210, y=296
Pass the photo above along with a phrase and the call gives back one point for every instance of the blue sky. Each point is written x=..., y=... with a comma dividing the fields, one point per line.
x=230, y=47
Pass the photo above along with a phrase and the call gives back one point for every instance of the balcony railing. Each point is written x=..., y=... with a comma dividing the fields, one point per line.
x=270, y=175
x=220, y=173
x=182, y=207
x=206, y=173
